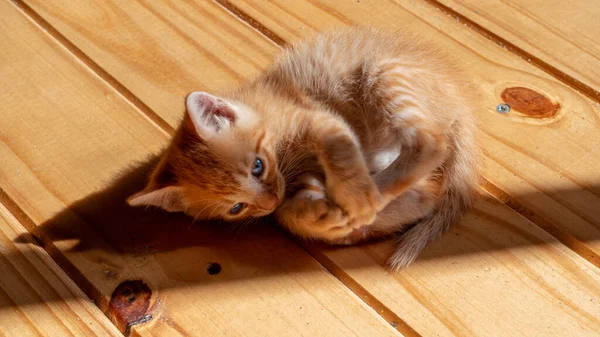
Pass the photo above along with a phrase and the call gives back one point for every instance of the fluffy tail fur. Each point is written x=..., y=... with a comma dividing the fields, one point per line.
x=459, y=181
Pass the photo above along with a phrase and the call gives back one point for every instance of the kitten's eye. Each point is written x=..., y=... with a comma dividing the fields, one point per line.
x=237, y=208
x=257, y=169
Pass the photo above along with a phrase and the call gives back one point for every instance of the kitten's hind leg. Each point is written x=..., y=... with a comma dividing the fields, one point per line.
x=414, y=163
x=408, y=123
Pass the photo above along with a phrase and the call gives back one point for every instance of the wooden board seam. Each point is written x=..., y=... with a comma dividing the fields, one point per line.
x=496, y=39
x=83, y=283
x=564, y=237
x=560, y=75
x=389, y=315
x=249, y=20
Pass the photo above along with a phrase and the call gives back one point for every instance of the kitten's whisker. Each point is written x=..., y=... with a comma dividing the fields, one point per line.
x=205, y=207
x=211, y=213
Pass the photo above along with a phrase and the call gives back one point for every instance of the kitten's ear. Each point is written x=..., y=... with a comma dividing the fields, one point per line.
x=209, y=114
x=167, y=198
x=161, y=190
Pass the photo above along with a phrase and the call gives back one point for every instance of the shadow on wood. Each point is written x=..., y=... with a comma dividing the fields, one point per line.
x=221, y=252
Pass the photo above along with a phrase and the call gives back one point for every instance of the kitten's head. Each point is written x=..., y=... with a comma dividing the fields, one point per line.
x=221, y=164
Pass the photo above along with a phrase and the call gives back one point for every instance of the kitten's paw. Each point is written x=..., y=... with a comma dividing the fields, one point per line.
x=357, y=235
x=327, y=216
x=360, y=199
x=323, y=221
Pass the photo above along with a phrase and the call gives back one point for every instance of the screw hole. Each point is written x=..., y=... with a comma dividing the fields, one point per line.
x=213, y=268
x=503, y=108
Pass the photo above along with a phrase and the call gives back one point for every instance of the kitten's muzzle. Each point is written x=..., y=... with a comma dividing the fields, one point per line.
x=267, y=201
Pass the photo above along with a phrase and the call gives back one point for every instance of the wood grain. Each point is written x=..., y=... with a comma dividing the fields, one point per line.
x=161, y=50
x=428, y=304
x=65, y=135
x=496, y=274
x=561, y=34
x=544, y=164
x=36, y=296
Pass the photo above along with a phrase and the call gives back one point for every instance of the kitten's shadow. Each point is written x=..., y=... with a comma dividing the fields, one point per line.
x=104, y=222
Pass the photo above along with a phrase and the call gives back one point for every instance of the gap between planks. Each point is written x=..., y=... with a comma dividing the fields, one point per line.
x=563, y=77
x=496, y=39
x=565, y=238
x=80, y=280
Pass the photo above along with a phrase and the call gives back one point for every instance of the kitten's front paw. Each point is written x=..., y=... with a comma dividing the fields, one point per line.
x=325, y=221
x=357, y=235
x=360, y=199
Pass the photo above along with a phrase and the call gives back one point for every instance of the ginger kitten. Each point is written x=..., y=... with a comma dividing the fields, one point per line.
x=353, y=135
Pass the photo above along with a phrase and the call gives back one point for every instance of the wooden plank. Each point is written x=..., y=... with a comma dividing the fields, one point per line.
x=562, y=35
x=493, y=68
x=65, y=135
x=36, y=296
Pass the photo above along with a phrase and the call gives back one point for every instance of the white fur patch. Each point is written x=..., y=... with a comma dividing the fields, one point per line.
x=310, y=180
x=409, y=113
x=309, y=194
x=403, y=100
x=382, y=159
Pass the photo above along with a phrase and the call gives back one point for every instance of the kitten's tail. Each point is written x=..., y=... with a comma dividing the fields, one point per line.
x=459, y=181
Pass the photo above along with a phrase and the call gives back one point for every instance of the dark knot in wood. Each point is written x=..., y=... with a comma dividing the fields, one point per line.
x=529, y=102
x=129, y=304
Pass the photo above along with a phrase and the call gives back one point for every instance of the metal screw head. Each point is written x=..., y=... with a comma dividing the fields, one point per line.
x=503, y=108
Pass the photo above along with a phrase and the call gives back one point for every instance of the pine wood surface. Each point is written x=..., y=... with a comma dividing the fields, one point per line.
x=562, y=35
x=129, y=64
x=36, y=296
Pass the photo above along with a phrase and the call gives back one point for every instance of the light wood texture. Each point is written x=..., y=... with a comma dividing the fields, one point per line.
x=65, y=135
x=493, y=278
x=36, y=296
x=161, y=50
x=496, y=274
x=563, y=34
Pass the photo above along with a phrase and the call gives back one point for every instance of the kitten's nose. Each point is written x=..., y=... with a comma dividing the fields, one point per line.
x=268, y=201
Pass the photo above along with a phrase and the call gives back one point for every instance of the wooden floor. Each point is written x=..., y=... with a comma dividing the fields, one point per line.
x=90, y=87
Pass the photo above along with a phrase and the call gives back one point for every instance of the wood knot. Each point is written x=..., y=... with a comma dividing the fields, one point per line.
x=529, y=102
x=129, y=304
